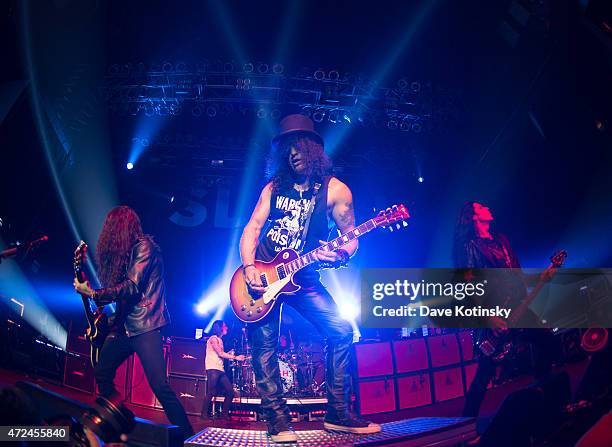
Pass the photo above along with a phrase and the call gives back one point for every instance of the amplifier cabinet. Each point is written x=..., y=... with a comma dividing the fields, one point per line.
x=410, y=355
x=448, y=384
x=443, y=350
x=373, y=359
x=78, y=373
x=414, y=391
x=376, y=396
x=187, y=357
x=191, y=391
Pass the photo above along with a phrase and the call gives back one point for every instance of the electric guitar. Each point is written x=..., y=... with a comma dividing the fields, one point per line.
x=497, y=343
x=97, y=329
x=277, y=274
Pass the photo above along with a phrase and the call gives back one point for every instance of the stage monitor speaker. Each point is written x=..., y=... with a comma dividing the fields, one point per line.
x=466, y=341
x=376, y=396
x=373, y=359
x=76, y=342
x=187, y=357
x=191, y=391
x=78, y=373
x=410, y=355
x=414, y=391
x=145, y=433
x=141, y=393
x=448, y=384
x=443, y=350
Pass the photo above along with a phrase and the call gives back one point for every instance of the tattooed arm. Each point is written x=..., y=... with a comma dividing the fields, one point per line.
x=342, y=210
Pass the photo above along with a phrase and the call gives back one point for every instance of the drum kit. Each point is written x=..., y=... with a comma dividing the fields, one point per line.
x=302, y=371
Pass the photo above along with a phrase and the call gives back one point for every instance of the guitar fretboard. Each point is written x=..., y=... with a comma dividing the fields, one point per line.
x=309, y=258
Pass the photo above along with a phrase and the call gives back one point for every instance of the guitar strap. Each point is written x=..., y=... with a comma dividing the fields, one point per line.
x=312, y=202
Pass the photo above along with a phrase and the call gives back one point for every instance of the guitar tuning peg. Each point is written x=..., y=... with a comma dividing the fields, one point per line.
x=404, y=223
x=391, y=229
x=398, y=226
x=394, y=207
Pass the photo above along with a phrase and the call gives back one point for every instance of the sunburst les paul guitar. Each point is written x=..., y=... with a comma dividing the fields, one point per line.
x=97, y=329
x=277, y=274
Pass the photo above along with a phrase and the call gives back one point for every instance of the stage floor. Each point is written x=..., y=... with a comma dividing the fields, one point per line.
x=418, y=432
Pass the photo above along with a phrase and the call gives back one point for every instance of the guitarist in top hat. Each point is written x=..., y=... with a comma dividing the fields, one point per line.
x=477, y=246
x=130, y=267
x=295, y=210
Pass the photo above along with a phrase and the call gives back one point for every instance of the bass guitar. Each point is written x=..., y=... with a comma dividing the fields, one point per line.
x=277, y=274
x=497, y=343
x=97, y=321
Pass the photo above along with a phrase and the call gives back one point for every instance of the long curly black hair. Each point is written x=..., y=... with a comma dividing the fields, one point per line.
x=464, y=230
x=279, y=171
x=121, y=230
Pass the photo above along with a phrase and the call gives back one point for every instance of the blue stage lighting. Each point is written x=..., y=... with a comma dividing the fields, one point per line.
x=421, y=179
x=129, y=165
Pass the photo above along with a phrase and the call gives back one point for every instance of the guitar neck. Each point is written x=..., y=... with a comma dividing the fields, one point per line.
x=524, y=305
x=309, y=258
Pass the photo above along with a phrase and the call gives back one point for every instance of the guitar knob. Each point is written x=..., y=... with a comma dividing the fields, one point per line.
x=259, y=309
x=249, y=313
x=252, y=303
x=243, y=307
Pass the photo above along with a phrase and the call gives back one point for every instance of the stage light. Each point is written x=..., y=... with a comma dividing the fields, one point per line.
x=334, y=116
x=248, y=67
x=421, y=179
x=167, y=67
x=348, y=310
x=261, y=113
x=402, y=83
x=262, y=68
x=404, y=125
x=319, y=75
x=211, y=111
x=416, y=127
x=392, y=124
x=318, y=116
x=415, y=86
x=278, y=68
x=197, y=111
x=334, y=75
x=130, y=166
x=171, y=199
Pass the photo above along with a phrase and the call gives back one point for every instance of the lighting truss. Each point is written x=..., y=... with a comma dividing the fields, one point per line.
x=208, y=90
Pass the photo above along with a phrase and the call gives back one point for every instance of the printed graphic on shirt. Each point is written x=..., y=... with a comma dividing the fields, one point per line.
x=286, y=231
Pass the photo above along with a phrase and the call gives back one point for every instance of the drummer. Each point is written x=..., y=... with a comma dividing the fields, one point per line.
x=215, y=371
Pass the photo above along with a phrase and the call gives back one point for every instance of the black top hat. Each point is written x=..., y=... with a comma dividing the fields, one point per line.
x=294, y=124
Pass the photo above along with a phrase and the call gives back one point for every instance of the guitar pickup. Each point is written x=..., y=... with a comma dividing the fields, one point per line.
x=264, y=280
x=280, y=270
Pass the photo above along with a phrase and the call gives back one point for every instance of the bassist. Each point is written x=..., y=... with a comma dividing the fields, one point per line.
x=294, y=211
x=477, y=246
x=130, y=268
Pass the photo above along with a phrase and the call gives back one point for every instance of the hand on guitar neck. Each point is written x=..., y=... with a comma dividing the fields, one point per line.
x=84, y=288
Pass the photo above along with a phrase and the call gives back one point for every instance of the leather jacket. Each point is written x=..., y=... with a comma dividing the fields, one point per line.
x=140, y=298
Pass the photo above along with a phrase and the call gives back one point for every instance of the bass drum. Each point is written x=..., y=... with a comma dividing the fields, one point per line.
x=287, y=375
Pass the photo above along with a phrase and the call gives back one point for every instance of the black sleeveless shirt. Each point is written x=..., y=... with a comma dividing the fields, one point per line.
x=285, y=226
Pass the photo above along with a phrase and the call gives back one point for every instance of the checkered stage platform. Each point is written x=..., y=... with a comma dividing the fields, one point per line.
x=417, y=432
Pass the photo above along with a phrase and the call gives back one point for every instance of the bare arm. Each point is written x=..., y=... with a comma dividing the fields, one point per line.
x=219, y=350
x=250, y=235
x=342, y=211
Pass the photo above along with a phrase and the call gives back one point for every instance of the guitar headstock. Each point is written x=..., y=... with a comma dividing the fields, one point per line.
x=558, y=258
x=394, y=217
x=80, y=257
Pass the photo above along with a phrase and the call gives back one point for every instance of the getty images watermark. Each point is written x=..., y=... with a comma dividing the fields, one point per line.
x=470, y=298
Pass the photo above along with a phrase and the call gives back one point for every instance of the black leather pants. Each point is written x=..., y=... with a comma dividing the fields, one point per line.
x=317, y=306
